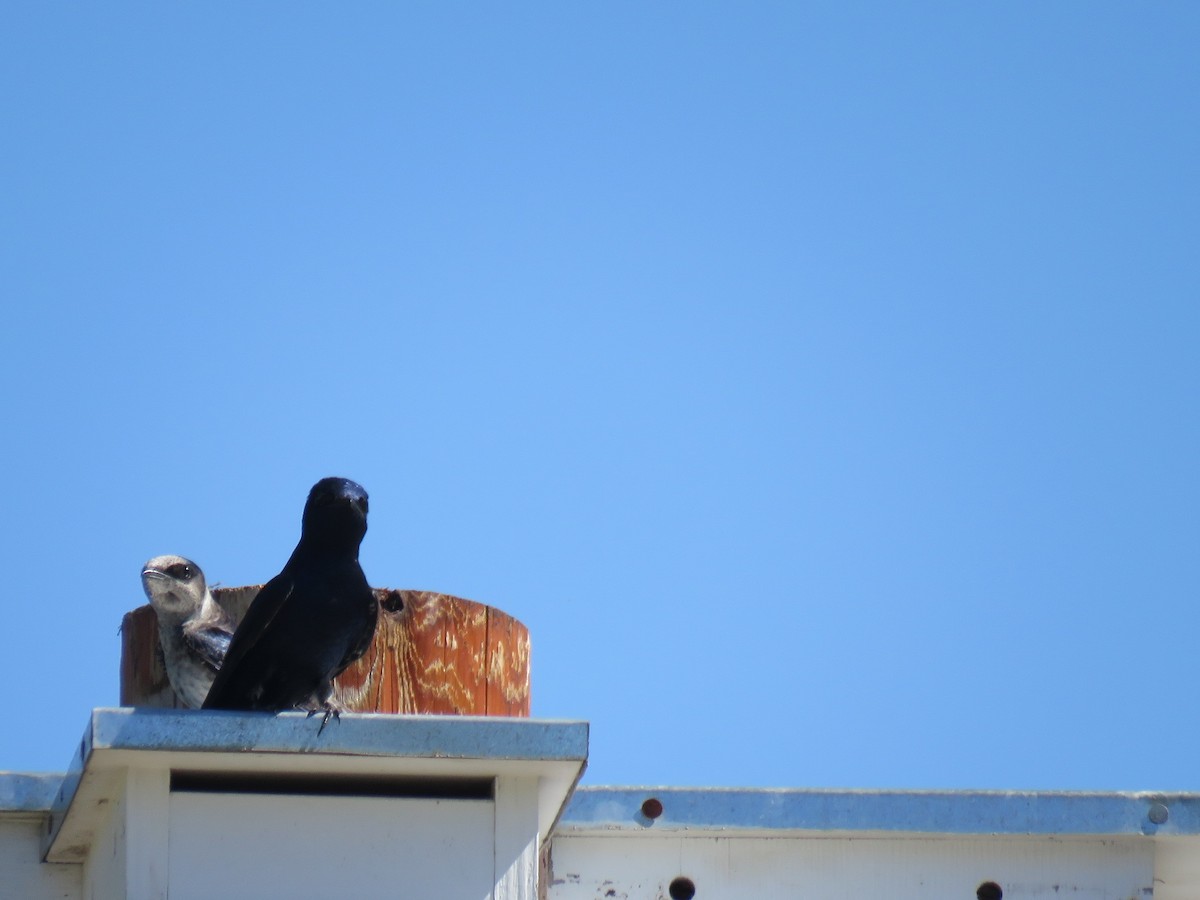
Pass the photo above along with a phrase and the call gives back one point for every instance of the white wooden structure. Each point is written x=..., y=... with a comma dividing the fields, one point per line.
x=190, y=805
x=849, y=845
x=187, y=805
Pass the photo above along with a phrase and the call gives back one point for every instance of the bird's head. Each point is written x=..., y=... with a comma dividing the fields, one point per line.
x=336, y=511
x=175, y=585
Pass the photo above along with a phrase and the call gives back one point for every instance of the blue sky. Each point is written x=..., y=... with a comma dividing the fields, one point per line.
x=817, y=382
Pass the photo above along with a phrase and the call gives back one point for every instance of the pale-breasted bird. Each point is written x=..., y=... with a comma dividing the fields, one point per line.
x=309, y=622
x=193, y=630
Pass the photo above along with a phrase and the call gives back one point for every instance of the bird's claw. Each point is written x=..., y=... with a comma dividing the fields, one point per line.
x=330, y=712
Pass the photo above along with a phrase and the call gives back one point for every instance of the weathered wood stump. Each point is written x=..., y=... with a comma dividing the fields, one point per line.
x=432, y=653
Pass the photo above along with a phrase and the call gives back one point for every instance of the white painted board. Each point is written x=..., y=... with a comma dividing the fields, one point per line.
x=850, y=868
x=23, y=876
x=261, y=846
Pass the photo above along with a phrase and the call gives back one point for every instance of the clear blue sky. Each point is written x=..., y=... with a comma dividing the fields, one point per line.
x=817, y=381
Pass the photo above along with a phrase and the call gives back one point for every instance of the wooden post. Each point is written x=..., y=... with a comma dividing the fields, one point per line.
x=432, y=653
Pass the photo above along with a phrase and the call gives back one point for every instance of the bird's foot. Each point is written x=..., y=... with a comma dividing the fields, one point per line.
x=330, y=712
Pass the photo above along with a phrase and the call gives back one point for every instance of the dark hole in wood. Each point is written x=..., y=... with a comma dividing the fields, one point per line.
x=682, y=889
x=652, y=808
x=392, y=602
x=989, y=890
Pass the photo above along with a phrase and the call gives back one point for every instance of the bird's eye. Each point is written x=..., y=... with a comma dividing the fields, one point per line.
x=182, y=571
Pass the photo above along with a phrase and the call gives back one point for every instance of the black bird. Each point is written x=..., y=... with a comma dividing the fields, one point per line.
x=193, y=630
x=310, y=621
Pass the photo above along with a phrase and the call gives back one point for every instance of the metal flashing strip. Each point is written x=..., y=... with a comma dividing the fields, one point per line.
x=354, y=734
x=708, y=810
x=28, y=792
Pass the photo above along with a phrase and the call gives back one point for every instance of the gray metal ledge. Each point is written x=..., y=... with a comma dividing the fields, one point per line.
x=28, y=792
x=708, y=810
x=354, y=734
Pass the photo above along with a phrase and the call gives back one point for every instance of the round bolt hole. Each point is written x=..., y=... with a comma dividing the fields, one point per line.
x=652, y=808
x=989, y=890
x=1159, y=813
x=682, y=889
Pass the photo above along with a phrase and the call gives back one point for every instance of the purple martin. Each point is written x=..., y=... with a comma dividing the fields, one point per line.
x=310, y=621
x=193, y=630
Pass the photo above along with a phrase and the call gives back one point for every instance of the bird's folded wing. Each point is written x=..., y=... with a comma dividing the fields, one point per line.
x=210, y=644
x=354, y=651
x=263, y=609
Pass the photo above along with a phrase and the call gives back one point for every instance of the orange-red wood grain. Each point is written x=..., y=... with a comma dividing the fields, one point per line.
x=436, y=654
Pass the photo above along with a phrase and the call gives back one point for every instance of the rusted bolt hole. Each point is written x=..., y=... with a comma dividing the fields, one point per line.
x=392, y=602
x=652, y=808
x=989, y=890
x=682, y=889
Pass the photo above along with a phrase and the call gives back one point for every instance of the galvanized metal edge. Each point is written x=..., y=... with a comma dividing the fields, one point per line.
x=724, y=809
x=354, y=734
x=28, y=792
x=705, y=810
x=67, y=788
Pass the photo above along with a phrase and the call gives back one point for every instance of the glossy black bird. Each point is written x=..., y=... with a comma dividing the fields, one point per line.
x=311, y=620
x=193, y=630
